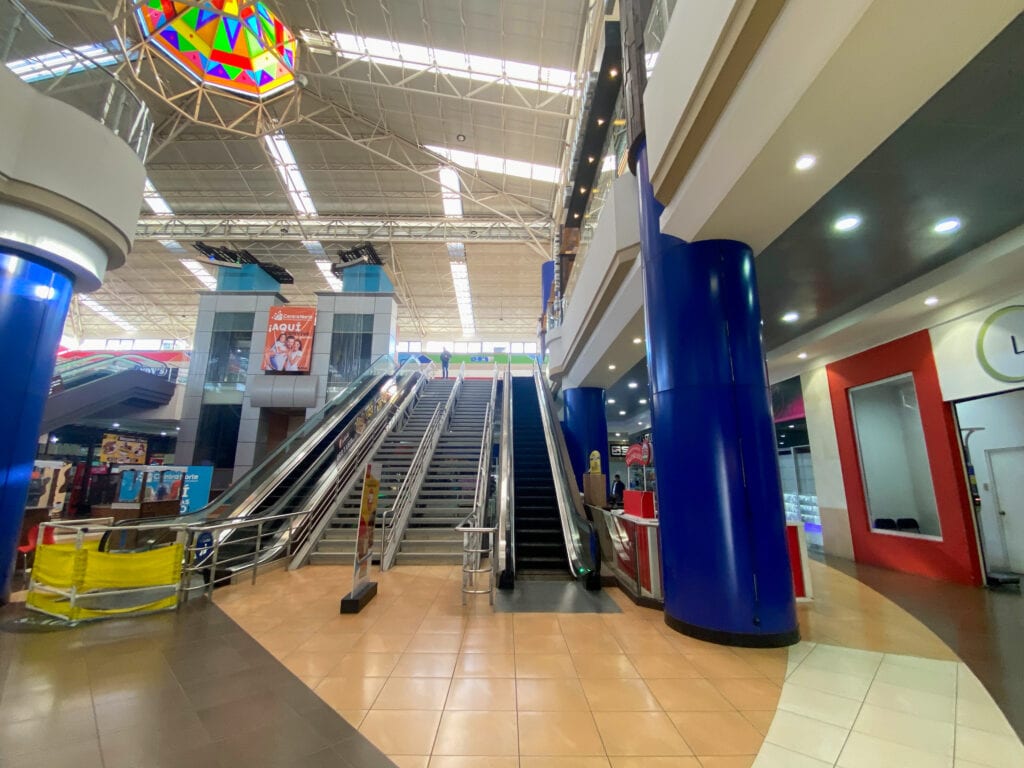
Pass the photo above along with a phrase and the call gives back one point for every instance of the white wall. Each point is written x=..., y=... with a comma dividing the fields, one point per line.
x=1002, y=416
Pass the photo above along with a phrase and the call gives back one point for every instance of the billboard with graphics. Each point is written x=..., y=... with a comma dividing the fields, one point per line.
x=289, y=345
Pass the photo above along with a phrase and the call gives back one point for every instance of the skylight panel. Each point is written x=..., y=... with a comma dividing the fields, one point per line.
x=201, y=273
x=106, y=314
x=314, y=247
x=451, y=192
x=284, y=161
x=154, y=201
x=492, y=164
x=463, y=298
x=65, y=61
x=325, y=269
x=173, y=245
x=420, y=58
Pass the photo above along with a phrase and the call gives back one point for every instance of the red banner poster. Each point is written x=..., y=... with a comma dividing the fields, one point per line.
x=289, y=345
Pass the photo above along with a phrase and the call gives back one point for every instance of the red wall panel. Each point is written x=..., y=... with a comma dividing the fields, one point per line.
x=955, y=558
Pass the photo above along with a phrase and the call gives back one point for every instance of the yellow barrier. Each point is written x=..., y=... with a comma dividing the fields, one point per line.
x=76, y=581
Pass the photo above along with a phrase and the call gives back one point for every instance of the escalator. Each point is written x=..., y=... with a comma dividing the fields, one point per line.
x=87, y=387
x=304, y=474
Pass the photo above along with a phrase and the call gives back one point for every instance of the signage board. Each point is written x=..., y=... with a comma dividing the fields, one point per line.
x=117, y=449
x=195, y=489
x=289, y=342
x=367, y=523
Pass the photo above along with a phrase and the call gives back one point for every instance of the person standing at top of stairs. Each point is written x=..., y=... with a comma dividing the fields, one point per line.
x=446, y=357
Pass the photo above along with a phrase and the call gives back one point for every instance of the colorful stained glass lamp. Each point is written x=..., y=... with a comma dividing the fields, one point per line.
x=238, y=46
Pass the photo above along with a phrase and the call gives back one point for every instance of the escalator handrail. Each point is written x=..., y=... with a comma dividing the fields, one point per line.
x=358, y=456
x=567, y=491
x=506, y=481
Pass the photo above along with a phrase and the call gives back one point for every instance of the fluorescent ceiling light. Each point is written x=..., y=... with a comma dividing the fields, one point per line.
x=451, y=192
x=633, y=385
x=791, y=317
x=460, y=279
x=805, y=162
x=173, y=245
x=611, y=401
x=618, y=434
x=638, y=340
x=284, y=161
x=66, y=61
x=153, y=200
x=201, y=273
x=314, y=247
x=106, y=314
x=847, y=223
x=518, y=168
x=420, y=58
x=325, y=270
x=931, y=301
x=611, y=367
x=643, y=401
x=946, y=226
x=622, y=413
x=802, y=356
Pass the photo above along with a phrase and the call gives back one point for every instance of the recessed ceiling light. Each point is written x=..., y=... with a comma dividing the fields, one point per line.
x=591, y=159
x=583, y=190
x=600, y=121
x=575, y=215
x=946, y=226
x=460, y=137
x=611, y=367
x=618, y=434
x=640, y=423
x=116, y=424
x=163, y=434
x=791, y=317
x=613, y=72
x=622, y=413
x=611, y=401
x=643, y=401
x=847, y=223
x=792, y=426
x=931, y=301
x=805, y=162
x=638, y=340
x=633, y=385
x=177, y=429
x=802, y=356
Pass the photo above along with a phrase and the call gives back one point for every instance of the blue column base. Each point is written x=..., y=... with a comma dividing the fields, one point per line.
x=735, y=639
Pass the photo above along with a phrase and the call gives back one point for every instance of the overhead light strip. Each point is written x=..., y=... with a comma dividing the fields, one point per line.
x=201, y=273
x=463, y=297
x=284, y=161
x=518, y=168
x=106, y=314
x=66, y=61
x=154, y=201
x=419, y=58
x=325, y=270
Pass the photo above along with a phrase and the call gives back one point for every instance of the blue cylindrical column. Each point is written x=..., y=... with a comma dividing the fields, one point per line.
x=34, y=301
x=586, y=429
x=723, y=538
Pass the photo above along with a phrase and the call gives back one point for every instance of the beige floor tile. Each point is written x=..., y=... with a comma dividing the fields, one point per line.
x=646, y=642
x=366, y=664
x=655, y=762
x=928, y=680
x=482, y=693
x=410, y=761
x=688, y=695
x=454, y=625
x=906, y=729
x=413, y=693
x=548, y=695
x=604, y=665
x=717, y=733
x=476, y=733
x=425, y=665
x=772, y=756
x=538, y=643
x=723, y=664
x=544, y=665
x=353, y=717
x=398, y=732
x=619, y=695
x=984, y=716
x=536, y=624
x=488, y=642
x=640, y=733
x=663, y=665
x=563, y=762
x=863, y=751
x=848, y=686
x=330, y=642
x=381, y=643
x=807, y=736
x=343, y=693
x=989, y=749
x=731, y=761
x=474, y=761
x=310, y=663
x=749, y=692
x=434, y=642
x=558, y=733
x=836, y=710
x=759, y=718
x=591, y=643
x=486, y=665
x=846, y=661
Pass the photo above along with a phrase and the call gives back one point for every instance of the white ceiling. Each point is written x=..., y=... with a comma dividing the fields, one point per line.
x=359, y=148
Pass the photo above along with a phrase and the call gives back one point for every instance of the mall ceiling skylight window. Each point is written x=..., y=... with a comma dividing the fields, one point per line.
x=460, y=279
x=314, y=247
x=106, y=314
x=325, y=269
x=201, y=273
x=518, y=168
x=419, y=58
x=154, y=201
x=451, y=192
x=173, y=245
x=284, y=161
x=66, y=61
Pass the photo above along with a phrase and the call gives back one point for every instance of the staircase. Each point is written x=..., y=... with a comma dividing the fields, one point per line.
x=449, y=487
x=337, y=546
x=539, y=544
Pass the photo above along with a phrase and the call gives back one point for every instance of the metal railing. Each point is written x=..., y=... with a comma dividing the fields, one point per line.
x=506, y=485
x=394, y=521
x=78, y=76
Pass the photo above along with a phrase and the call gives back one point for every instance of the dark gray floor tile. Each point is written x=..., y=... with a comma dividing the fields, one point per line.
x=553, y=597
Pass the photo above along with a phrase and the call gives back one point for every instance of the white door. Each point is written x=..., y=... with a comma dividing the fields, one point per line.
x=1008, y=493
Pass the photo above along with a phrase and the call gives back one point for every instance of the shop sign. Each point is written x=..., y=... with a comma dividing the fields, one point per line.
x=1000, y=344
x=289, y=343
x=639, y=454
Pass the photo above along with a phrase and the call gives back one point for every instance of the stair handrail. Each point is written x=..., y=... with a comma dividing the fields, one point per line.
x=394, y=521
x=506, y=482
x=483, y=471
x=365, y=446
x=567, y=490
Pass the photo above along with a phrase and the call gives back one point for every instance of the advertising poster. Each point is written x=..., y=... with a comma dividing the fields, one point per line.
x=162, y=485
x=195, y=489
x=289, y=344
x=116, y=449
x=129, y=490
x=367, y=521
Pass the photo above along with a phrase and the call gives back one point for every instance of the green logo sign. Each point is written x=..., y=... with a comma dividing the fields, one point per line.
x=1000, y=345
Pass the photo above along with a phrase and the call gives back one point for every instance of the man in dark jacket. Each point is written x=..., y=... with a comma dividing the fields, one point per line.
x=446, y=357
